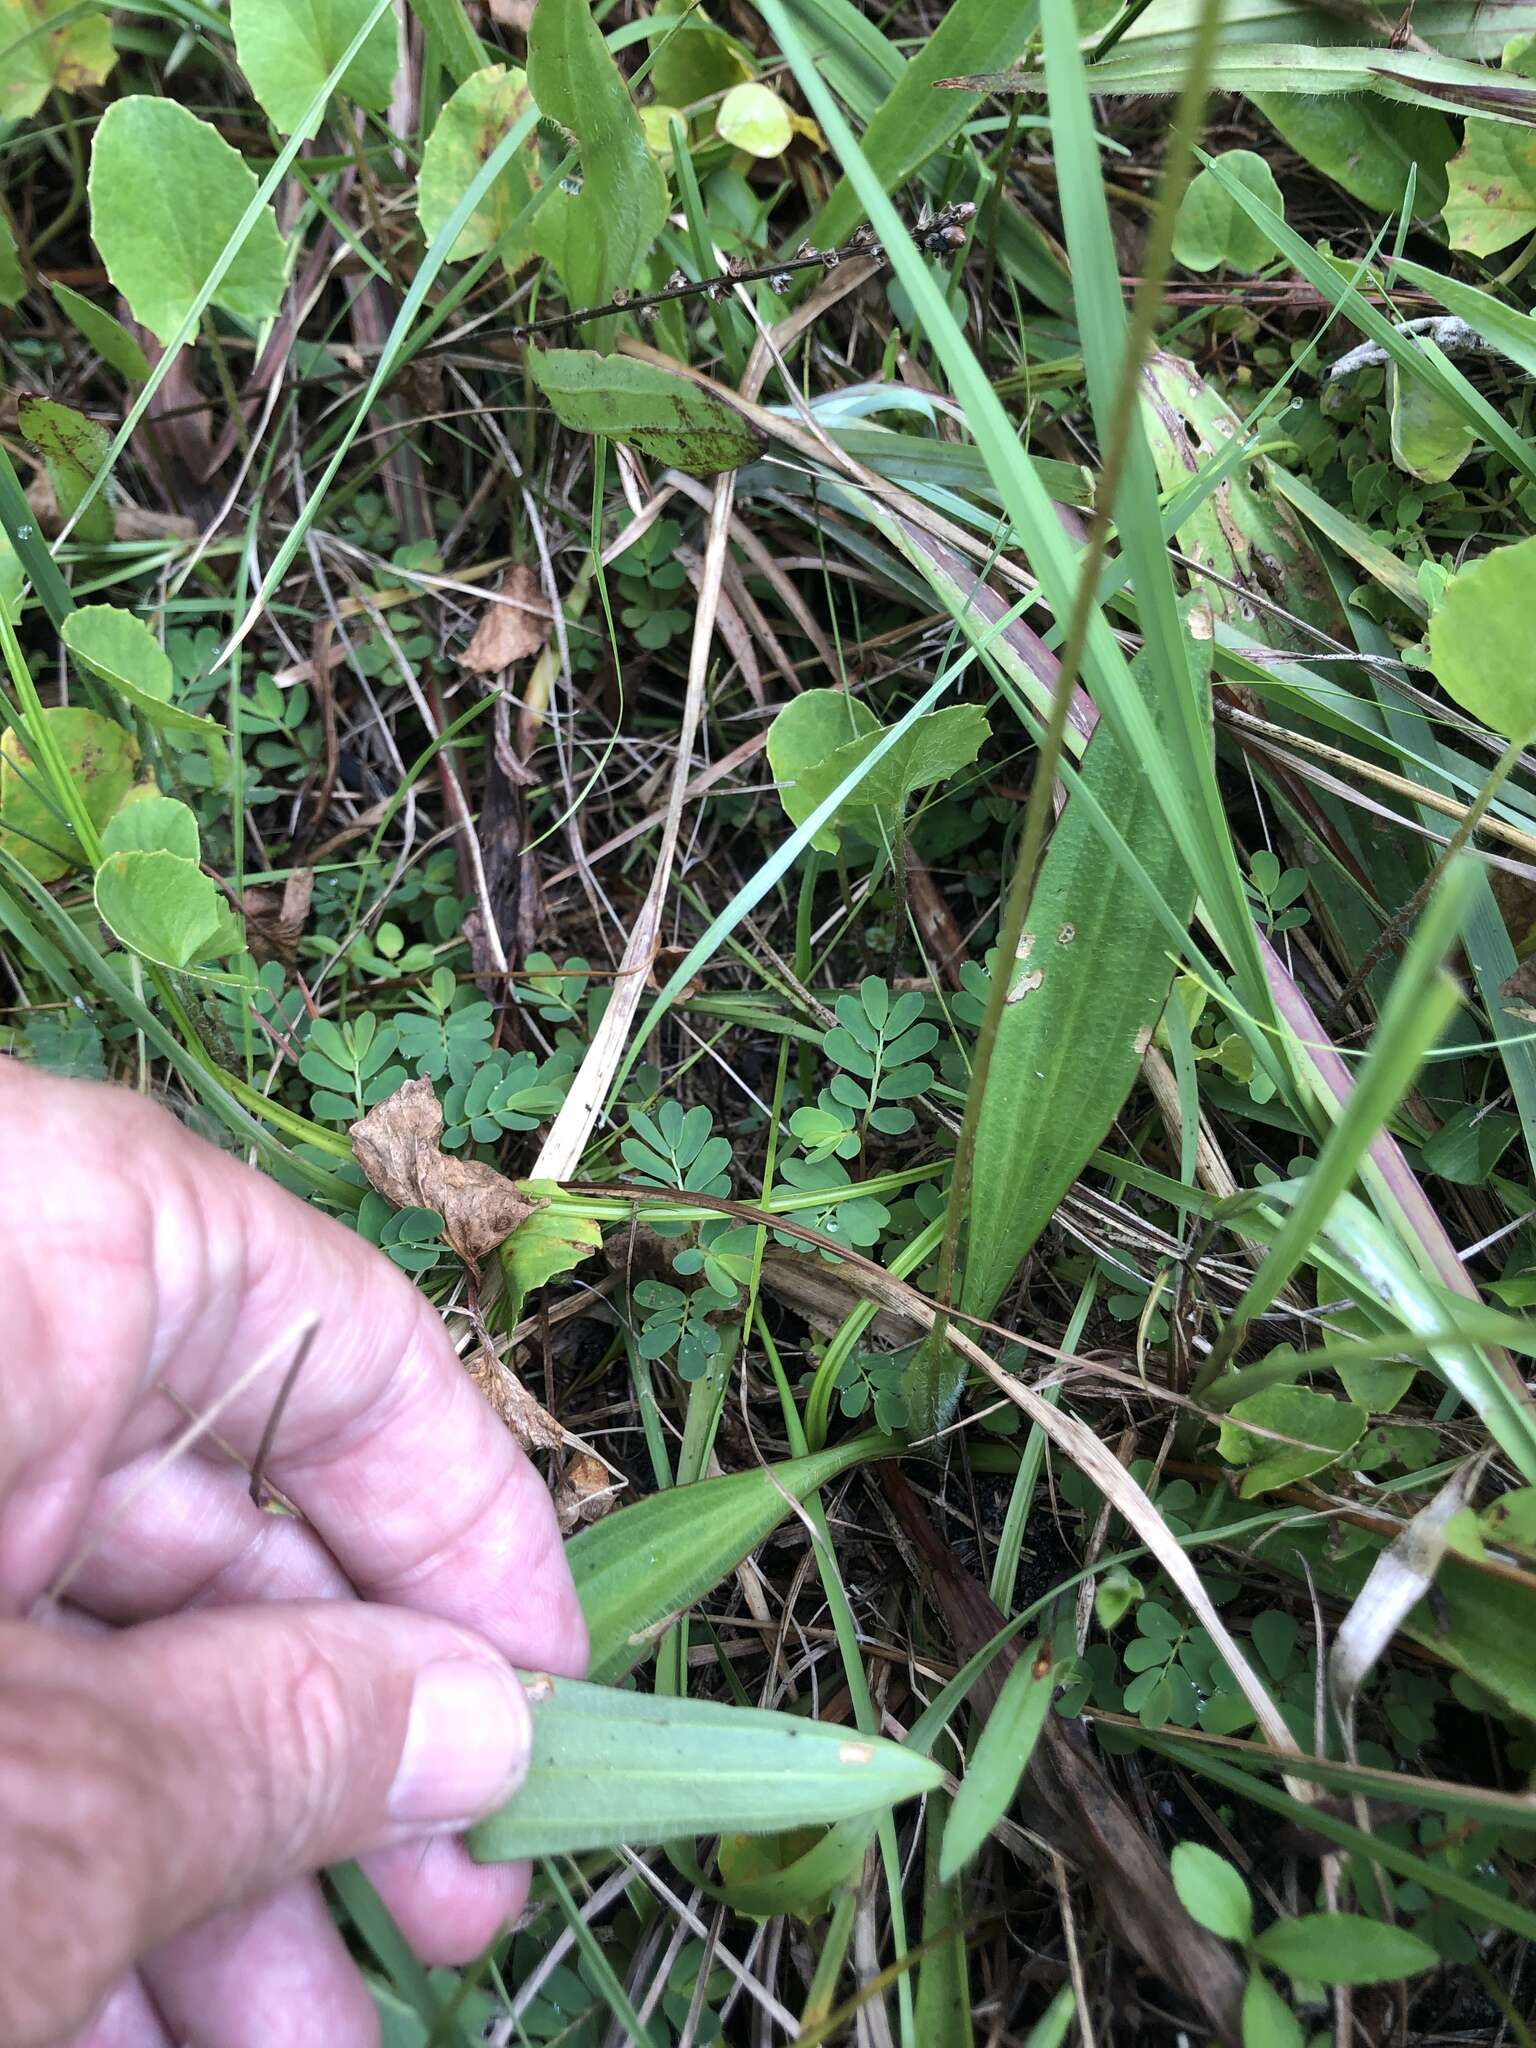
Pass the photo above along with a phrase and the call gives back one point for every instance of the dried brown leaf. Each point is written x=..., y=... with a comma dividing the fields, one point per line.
x=398, y=1146
x=586, y=1492
x=513, y=627
x=275, y=918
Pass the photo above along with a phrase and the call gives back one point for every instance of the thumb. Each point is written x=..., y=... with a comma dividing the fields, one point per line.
x=185, y=1766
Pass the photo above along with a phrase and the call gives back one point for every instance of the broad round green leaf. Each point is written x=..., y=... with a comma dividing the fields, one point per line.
x=121, y=650
x=1344, y=1948
x=150, y=160
x=162, y=906
x=1430, y=436
x=110, y=338
x=752, y=118
x=101, y=760
x=611, y=1767
x=36, y=60
x=1481, y=644
x=937, y=747
x=1325, y=1429
x=467, y=130
x=1212, y=1891
x=810, y=727
x=152, y=824
x=289, y=48
x=1212, y=228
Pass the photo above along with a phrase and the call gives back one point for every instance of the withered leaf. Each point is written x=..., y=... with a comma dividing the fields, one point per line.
x=275, y=918
x=511, y=629
x=399, y=1146
x=586, y=1492
x=1519, y=992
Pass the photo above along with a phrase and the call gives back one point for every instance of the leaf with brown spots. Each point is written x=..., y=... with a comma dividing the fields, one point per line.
x=513, y=627
x=586, y=1492
x=399, y=1146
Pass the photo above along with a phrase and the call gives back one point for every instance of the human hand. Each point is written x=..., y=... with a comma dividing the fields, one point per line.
x=212, y=1715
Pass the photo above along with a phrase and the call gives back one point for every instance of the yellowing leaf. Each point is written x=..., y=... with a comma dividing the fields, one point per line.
x=1481, y=646
x=36, y=59
x=467, y=130
x=288, y=48
x=752, y=118
x=101, y=760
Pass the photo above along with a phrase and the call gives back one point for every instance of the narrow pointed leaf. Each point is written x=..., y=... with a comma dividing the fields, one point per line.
x=1001, y=1757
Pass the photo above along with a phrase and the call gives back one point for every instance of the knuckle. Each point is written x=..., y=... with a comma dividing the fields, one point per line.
x=308, y=1738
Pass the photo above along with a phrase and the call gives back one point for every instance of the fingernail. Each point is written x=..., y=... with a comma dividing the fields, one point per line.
x=467, y=1745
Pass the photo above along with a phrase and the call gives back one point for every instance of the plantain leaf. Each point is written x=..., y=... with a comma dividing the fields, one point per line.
x=1086, y=992
x=596, y=235
x=620, y=1767
x=650, y=1561
x=1000, y=1759
x=1368, y=146
x=660, y=415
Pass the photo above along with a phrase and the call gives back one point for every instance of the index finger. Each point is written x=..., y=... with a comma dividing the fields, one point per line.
x=133, y=1253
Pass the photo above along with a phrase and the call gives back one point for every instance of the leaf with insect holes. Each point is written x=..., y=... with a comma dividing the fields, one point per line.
x=611, y=1768
x=73, y=449
x=149, y=156
x=652, y=411
x=122, y=651
x=754, y=119
x=597, y=233
x=101, y=761
x=37, y=58
x=1481, y=646
x=465, y=133
x=1212, y=1891
x=289, y=48
x=1212, y=231
x=1344, y=1948
x=1000, y=1758
x=163, y=907
x=107, y=336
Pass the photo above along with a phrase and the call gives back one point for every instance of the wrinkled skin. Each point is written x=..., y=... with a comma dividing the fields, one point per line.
x=226, y=1699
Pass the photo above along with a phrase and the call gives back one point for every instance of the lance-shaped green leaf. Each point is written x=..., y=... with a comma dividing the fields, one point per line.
x=614, y=1767
x=289, y=48
x=122, y=651
x=467, y=130
x=149, y=158
x=659, y=415
x=107, y=336
x=597, y=234
x=1344, y=1948
x=37, y=59
x=648, y=1562
x=99, y=758
x=73, y=448
x=1368, y=146
x=1000, y=1759
x=1085, y=994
